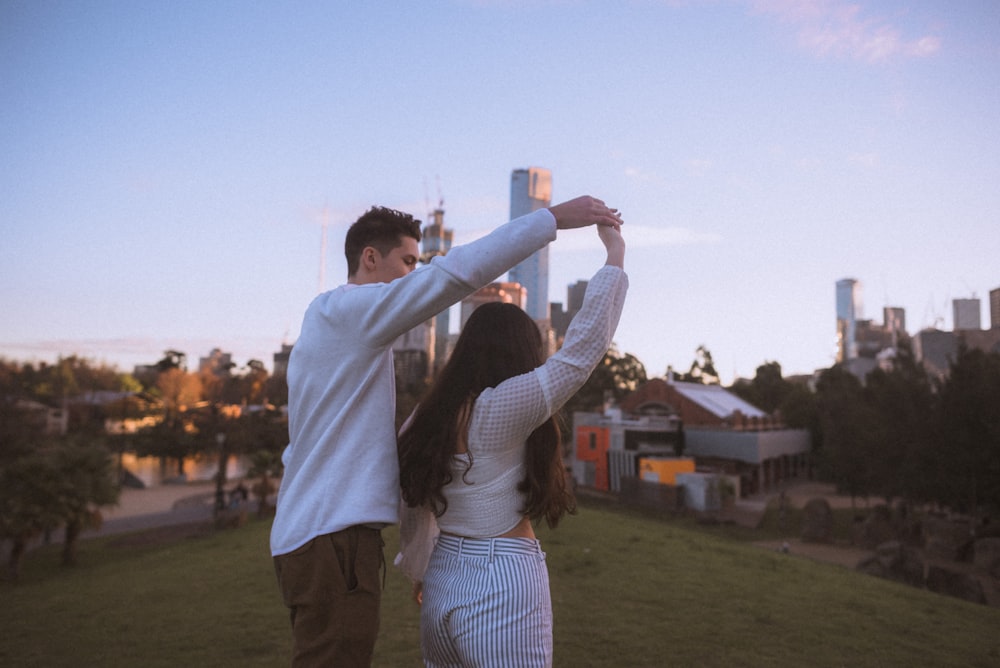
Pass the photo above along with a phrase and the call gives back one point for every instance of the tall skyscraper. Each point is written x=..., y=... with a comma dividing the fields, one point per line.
x=436, y=240
x=894, y=321
x=849, y=311
x=562, y=317
x=995, y=308
x=530, y=190
x=966, y=314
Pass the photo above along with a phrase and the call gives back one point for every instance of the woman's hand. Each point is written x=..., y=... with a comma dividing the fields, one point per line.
x=615, y=245
x=418, y=592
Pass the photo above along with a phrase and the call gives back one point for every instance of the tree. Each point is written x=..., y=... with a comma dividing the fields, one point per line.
x=615, y=377
x=249, y=387
x=172, y=359
x=85, y=483
x=28, y=504
x=903, y=400
x=970, y=432
x=847, y=424
x=767, y=390
x=702, y=369
x=55, y=483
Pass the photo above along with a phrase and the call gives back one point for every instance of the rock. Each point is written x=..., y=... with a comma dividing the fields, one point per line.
x=945, y=539
x=871, y=565
x=895, y=561
x=966, y=586
x=817, y=521
x=876, y=529
x=986, y=555
x=890, y=554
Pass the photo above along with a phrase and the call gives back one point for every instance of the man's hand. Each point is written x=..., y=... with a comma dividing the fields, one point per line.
x=584, y=211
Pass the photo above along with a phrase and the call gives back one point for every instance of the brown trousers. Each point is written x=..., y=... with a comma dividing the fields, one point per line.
x=332, y=588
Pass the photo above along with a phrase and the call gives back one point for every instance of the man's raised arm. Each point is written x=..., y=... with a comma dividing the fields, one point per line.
x=584, y=211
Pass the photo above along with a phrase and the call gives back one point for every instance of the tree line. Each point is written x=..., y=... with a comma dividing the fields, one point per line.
x=898, y=435
x=59, y=478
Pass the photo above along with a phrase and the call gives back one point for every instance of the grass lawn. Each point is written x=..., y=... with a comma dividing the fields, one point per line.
x=628, y=590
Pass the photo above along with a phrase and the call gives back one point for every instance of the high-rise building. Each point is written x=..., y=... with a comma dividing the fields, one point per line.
x=849, y=311
x=894, y=321
x=506, y=292
x=280, y=360
x=436, y=240
x=530, y=190
x=411, y=356
x=966, y=314
x=995, y=309
x=574, y=302
x=217, y=363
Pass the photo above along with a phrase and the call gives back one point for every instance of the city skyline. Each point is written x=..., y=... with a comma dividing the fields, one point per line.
x=170, y=170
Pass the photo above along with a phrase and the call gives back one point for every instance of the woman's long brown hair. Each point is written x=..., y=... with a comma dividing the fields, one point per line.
x=498, y=342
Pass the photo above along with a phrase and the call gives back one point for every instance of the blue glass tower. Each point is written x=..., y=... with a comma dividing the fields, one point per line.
x=530, y=190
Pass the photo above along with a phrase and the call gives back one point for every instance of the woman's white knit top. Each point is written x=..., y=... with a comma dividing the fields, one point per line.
x=484, y=502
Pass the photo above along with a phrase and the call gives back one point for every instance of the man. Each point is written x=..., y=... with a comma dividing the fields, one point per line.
x=341, y=480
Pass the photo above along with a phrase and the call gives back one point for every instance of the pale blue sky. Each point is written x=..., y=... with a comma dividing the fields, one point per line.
x=166, y=164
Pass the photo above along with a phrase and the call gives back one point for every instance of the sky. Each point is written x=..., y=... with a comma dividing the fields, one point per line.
x=167, y=167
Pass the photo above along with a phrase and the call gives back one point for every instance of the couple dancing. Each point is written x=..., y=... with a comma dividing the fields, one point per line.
x=476, y=464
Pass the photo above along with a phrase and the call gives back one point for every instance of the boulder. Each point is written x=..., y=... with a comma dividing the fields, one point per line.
x=876, y=529
x=817, y=521
x=986, y=555
x=945, y=539
x=952, y=582
x=893, y=560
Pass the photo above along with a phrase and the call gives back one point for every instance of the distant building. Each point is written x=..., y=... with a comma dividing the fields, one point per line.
x=42, y=418
x=935, y=350
x=721, y=431
x=987, y=340
x=863, y=346
x=609, y=445
x=894, y=321
x=218, y=363
x=966, y=314
x=531, y=190
x=436, y=240
x=280, y=359
x=574, y=302
x=506, y=292
x=412, y=356
x=849, y=311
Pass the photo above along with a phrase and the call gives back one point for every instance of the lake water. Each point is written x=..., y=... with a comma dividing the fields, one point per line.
x=203, y=468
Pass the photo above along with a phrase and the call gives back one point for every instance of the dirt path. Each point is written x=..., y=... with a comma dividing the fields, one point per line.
x=847, y=556
x=798, y=493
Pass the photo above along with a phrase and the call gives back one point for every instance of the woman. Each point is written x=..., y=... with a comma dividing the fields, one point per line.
x=480, y=460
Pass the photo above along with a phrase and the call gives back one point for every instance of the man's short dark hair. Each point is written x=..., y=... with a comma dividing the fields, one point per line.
x=381, y=228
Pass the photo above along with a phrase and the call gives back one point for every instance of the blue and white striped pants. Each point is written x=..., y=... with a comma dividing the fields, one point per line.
x=486, y=602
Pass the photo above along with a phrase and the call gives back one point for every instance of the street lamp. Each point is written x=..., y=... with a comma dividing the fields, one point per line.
x=220, y=477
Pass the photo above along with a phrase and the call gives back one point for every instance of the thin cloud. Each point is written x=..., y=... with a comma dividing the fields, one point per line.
x=840, y=30
x=636, y=236
x=649, y=237
x=865, y=159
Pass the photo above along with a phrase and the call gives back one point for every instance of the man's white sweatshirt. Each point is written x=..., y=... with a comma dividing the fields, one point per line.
x=341, y=467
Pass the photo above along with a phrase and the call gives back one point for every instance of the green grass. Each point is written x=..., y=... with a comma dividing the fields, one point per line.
x=628, y=590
